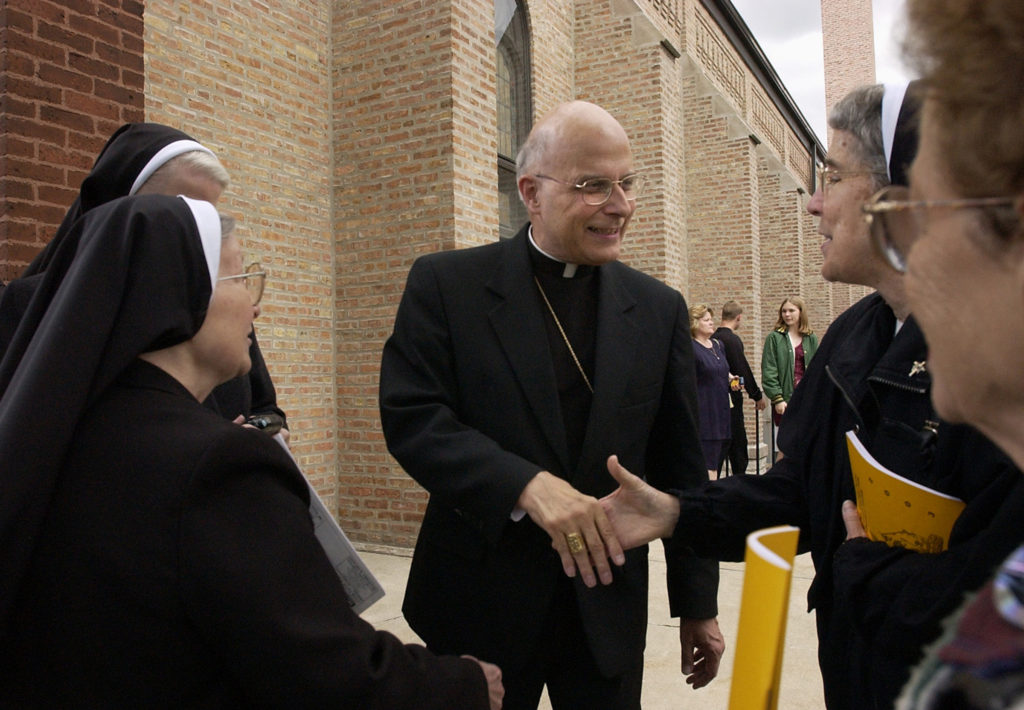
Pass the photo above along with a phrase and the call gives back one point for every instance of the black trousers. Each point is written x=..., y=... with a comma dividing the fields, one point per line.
x=736, y=451
x=564, y=664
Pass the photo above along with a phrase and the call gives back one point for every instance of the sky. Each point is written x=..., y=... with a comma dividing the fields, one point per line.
x=789, y=32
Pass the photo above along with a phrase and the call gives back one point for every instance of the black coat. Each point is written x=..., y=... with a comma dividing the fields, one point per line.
x=178, y=568
x=738, y=365
x=875, y=606
x=470, y=409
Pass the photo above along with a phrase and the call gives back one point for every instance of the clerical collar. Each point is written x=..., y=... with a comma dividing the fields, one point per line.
x=568, y=270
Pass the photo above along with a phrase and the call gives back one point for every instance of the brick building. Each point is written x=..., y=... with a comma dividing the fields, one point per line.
x=362, y=134
x=849, y=45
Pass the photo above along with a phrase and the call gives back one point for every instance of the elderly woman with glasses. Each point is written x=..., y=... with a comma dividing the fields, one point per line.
x=876, y=605
x=958, y=233
x=154, y=554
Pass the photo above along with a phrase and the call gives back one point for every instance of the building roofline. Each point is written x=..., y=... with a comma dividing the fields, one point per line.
x=730, y=22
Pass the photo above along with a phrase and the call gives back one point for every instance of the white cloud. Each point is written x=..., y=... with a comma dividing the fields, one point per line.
x=798, y=62
x=889, y=30
x=780, y=18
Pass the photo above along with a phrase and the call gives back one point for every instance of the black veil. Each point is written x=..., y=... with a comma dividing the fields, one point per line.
x=141, y=280
x=132, y=154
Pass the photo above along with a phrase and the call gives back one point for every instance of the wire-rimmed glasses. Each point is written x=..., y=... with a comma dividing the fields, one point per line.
x=829, y=176
x=895, y=222
x=597, y=191
x=254, y=278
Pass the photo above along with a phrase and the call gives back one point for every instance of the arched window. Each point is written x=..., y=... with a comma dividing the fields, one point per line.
x=515, y=107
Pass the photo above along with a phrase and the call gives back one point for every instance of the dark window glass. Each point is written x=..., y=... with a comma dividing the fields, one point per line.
x=515, y=112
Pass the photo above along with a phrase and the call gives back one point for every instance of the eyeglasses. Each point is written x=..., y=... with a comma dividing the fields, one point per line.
x=829, y=176
x=254, y=279
x=896, y=222
x=596, y=191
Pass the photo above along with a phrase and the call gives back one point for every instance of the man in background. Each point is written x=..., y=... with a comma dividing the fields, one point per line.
x=737, y=454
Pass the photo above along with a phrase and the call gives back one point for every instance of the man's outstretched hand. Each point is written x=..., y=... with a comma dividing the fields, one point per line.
x=639, y=512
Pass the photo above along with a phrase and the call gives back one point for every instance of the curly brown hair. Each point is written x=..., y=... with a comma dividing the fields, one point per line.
x=971, y=55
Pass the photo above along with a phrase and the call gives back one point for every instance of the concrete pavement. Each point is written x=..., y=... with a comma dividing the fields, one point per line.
x=664, y=687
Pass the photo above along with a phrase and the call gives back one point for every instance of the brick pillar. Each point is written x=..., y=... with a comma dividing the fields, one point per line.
x=785, y=267
x=849, y=46
x=415, y=172
x=723, y=218
x=631, y=76
x=71, y=74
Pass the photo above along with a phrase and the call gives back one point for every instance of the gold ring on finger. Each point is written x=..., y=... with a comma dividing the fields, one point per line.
x=575, y=543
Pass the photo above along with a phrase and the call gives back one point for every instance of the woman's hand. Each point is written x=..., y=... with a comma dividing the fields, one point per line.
x=780, y=408
x=283, y=431
x=851, y=518
x=495, y=688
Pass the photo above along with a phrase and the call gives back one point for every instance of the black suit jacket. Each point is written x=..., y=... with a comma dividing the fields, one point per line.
x=178, y=568
x=738, y=365
x=470, y=409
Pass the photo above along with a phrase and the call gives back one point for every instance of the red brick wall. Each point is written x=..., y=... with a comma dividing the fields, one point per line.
x=72, y=73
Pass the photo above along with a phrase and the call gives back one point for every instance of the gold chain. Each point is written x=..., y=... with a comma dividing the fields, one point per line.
x=564, y=336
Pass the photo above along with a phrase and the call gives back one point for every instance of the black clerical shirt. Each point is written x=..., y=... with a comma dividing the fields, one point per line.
x=574, y=301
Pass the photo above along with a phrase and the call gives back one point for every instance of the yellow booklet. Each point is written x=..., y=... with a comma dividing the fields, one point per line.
x=761, y=635
x=896, y=510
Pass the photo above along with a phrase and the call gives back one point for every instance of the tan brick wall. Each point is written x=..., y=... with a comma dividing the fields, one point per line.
x=722, y=194
x=254, y=87
x=414, y=111
x=620, y=66
x=553, y=33
x=473, y=124
x=782, y=263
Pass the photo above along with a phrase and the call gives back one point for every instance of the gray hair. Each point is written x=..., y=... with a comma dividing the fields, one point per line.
x=535, y=146
x=227, y=226
x=859, y=113
x=200, y=161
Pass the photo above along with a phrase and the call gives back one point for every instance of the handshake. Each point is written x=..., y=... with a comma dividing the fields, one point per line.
x=587, y=532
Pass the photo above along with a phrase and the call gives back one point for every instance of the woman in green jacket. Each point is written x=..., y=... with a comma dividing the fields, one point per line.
x=787, y=353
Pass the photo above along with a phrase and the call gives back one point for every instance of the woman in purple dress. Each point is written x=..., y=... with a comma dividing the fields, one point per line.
x=712, y=387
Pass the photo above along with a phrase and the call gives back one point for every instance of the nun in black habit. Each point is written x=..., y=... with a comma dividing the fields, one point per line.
x=129, y=158
x=152, y=553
